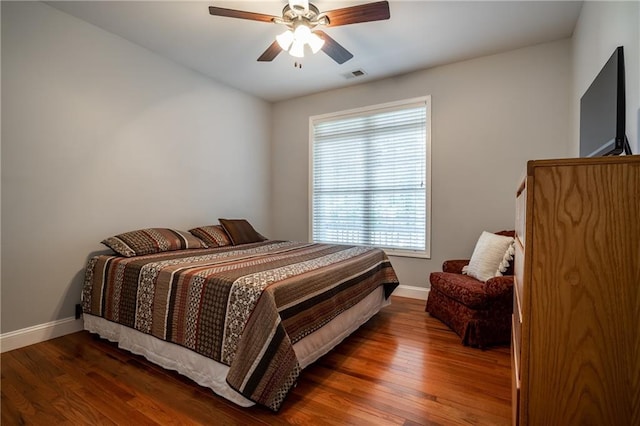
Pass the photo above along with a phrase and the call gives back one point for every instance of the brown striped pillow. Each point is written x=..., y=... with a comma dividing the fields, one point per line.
x=212, y=235
x=240, y=231
x=152, y=240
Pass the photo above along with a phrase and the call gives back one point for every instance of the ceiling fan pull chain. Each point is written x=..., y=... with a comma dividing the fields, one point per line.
x=297, y=65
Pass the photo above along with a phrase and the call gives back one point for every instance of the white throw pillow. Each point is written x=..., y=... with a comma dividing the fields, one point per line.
x=491, y=256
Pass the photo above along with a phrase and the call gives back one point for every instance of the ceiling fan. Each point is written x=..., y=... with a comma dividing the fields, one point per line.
x=302, y=20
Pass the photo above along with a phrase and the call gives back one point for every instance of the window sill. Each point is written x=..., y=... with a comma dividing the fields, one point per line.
x=406, y=253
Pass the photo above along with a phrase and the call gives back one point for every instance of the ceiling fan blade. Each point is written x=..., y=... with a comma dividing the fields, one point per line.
x=232, y=13
x=334, y=49
x=271, y=52
x=377, y=11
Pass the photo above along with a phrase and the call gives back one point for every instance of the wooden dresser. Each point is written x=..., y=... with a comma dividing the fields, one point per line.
x=576, y=322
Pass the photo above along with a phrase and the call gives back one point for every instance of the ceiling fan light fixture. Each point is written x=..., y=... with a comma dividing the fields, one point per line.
x=315, y=42
x=302, y=33
x=297, y=49
x=294, y=41
x=285, y=39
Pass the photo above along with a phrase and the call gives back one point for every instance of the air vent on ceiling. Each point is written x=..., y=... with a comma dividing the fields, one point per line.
x=354, y=74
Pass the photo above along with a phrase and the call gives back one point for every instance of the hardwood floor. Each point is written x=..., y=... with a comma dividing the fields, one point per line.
x=401, y=368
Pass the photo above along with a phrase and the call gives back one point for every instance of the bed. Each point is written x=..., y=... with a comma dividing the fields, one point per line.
x=242, y=319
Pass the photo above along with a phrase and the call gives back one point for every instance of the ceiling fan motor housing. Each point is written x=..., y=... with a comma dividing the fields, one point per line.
x=311, y=17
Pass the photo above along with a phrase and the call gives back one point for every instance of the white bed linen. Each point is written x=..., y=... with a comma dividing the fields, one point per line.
x=212, y=374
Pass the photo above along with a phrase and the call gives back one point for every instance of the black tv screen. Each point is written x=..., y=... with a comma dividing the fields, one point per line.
x=602, y=111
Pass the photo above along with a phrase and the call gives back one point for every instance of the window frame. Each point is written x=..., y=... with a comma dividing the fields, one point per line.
x=372, y=109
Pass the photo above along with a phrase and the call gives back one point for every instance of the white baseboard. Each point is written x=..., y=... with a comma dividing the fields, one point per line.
x=411, y=292
x=39, y=333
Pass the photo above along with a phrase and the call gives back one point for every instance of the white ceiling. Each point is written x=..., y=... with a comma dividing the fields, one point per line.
x=419, y=35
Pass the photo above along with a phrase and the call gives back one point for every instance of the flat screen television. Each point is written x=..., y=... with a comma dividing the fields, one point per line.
x=602, y=111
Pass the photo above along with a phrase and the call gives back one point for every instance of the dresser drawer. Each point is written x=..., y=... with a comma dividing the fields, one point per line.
x=521, y=213
x=515, y=376
x=516, y=331
x=518, y=272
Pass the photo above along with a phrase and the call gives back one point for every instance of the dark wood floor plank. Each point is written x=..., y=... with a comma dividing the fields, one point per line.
x=403, y=367
x=15, y=401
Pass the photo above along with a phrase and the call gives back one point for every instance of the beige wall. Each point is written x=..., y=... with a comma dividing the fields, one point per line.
x=489, y=116
x=98, y=134
x=101, y=136
x=601, y=27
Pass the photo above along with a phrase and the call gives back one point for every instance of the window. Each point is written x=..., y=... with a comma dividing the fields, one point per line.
x=370, y=177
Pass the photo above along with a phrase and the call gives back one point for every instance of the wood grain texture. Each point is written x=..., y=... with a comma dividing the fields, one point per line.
x=581, y=292
x=403, y=367
x=271, y=52
x=241, y=14
x=367, y=12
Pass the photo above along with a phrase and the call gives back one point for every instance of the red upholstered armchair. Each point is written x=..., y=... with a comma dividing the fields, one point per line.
x=479, y=312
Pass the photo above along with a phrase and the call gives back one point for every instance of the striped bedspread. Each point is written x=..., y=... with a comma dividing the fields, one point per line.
x=244, y=306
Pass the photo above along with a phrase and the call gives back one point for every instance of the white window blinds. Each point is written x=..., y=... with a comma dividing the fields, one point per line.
x=369, y=183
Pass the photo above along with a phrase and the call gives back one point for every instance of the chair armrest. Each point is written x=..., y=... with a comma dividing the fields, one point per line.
x=498, y=286
x=454, y=266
